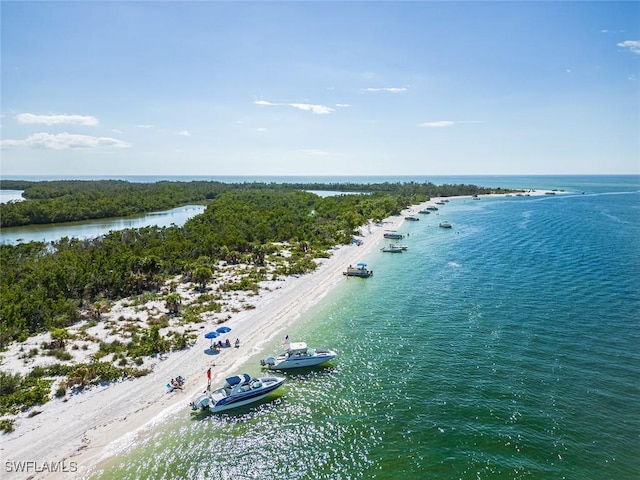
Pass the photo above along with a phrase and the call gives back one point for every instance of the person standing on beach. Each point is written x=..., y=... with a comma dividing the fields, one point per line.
x=209, y=379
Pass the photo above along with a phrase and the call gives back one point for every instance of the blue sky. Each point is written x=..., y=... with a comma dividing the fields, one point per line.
x=320, y=88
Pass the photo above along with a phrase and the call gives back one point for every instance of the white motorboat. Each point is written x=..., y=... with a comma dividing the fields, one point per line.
x=298, y=355
x=237, y=391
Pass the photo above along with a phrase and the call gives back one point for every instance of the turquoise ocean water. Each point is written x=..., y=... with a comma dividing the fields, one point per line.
x=506, y=347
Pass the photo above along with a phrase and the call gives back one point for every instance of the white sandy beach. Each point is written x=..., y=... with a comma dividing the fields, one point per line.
x=85, y=428
x=89, y=426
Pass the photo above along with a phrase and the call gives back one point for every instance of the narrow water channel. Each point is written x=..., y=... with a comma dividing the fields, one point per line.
x=94, y=228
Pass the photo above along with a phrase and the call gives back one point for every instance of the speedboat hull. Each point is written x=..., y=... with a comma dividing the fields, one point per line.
x=238, y=391
x=298, y=355
x=307, y=362
x=241, y=400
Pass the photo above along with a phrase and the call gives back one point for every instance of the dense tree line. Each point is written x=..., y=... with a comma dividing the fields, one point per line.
x=72, y=200
x=45, y=285
x=49, y=286
x=65, y=201
x=408, y=188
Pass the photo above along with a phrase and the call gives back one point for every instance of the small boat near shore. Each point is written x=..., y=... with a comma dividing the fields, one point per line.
x=445, y=225
x=424, y=211
x=399, y=245
x=393, y=235
x=237, y=391
x=412, y=218
x=298, y=355
x=392, y=249
x=360, y=270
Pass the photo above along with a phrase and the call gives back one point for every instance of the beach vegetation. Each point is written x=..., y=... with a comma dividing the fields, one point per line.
x=265, y=230
x=60, y=354
x=61, y=391
x=173, y=303
x=148, y=342
x=162, y=321
x=201, y=275
x=9, y=382
x=7, y=425
x=19, y=393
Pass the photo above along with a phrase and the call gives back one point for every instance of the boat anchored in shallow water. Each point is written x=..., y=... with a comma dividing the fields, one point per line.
x=237, y=391
x=393, y=235
x=298, y=355
x=392, y=249
x=360, y=270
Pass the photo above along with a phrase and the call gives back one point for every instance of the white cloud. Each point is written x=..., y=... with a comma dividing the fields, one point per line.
x=63, y=141
x=144, y=126
x=57, y=119
x=632, y=45
x=261, y=129
x=308, y=107
x=317, y=109
x=437, y=124
x=342, y=105
x=386, y=89
x=184, y=133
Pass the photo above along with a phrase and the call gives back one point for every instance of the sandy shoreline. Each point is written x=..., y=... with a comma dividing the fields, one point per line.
x=88, y=427
x=92, y=425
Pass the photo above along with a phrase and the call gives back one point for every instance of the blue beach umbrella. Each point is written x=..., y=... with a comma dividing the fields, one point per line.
x=211, y=335
x=223, y=329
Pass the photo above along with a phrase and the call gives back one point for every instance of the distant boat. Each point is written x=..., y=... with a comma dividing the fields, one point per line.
x=432, y=208
x=411, y=218
x=440, y=202
x=399, y=245
x=393, y=235
x=445, y=225
x=360, y=270
x=237, y=391
x=298, y=355
x=392, y=249
x=424, y=210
